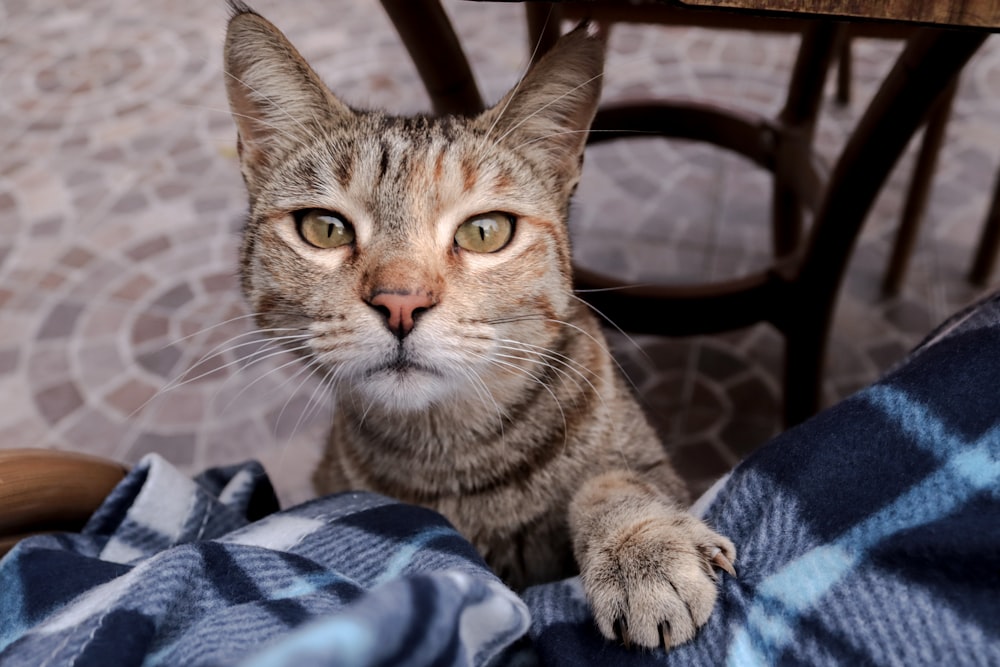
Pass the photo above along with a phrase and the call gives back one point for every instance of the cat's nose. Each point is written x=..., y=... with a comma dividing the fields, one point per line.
x=401, y=308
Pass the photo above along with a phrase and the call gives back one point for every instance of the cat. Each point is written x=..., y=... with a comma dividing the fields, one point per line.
x=426, y=263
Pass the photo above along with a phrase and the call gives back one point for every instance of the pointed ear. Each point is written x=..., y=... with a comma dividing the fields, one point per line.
x=549, y=112
x=276, y=99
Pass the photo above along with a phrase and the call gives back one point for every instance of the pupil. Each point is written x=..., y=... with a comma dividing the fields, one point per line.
x=329, y=231
x=482, y=232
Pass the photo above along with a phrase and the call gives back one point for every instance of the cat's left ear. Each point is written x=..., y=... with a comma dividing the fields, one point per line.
x=548, y=114
x=277, y=100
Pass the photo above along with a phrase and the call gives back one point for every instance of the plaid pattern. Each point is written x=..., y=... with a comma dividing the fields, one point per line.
x=175, y=572
x=869, y=535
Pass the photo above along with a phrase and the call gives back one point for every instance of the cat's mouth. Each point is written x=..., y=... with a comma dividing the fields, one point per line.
x=400, y=366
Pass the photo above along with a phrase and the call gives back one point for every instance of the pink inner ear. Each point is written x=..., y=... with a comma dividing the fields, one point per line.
x=550, y=111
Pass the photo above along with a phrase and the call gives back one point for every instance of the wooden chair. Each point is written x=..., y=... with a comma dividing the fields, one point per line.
x=988, y=246
x=782, y=145
x=43, y=490
x=797, y=292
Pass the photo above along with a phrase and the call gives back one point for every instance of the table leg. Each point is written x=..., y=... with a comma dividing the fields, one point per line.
x=989, y=242
x=929, y=64
x=918, y=192
x=432, y=44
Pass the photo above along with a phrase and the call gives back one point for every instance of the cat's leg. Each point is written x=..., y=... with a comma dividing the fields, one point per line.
x=648, y=567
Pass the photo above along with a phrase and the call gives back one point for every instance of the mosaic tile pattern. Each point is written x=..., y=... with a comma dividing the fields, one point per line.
x=122, y=330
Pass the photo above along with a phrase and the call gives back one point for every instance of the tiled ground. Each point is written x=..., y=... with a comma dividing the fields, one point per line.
x=120, y=203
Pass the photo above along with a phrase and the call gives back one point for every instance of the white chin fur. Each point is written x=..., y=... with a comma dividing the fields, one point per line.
x=406, y=391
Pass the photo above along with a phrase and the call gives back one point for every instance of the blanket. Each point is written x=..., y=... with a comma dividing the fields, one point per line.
x=868, y=535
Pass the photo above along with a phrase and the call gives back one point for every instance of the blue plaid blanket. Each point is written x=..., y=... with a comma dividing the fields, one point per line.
x=868, y=535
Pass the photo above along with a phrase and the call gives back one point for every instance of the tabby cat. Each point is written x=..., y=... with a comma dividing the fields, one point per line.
x=427, y=262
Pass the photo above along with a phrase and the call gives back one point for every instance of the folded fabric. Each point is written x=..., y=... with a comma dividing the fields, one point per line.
x=868, y=535
x=175, y=572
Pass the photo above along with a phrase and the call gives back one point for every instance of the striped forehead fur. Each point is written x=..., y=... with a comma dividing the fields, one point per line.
x=387, y=160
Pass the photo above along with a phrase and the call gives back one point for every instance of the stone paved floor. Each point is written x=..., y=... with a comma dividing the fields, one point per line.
x=120, y=205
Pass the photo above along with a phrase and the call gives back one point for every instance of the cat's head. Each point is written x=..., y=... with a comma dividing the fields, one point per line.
x=426, y=258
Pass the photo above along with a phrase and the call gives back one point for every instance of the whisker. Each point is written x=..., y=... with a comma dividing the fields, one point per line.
x=483, y=392
x=565, y=362
x=325, y=386
x=307, y=369
x=268, y=99
x=551, y=354
x=617, y=328
x=513, y=318
x=600, y=397
x=261, y=377
x=616, y=288
x=222, y=324
x=226, y=346
x=364, y=415
x=579, y=374
x=181, y=380
x=520, y=79
x=546, y=106
x=537, y=359
x=315, y=364
x=230, y=112
x=310, y=369
x=270, y=344
x=599, y=344
x=589, y=131
x=538, y=381
x=536, y=317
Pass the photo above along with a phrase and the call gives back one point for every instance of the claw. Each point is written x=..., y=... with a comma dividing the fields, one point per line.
x=722, y=562
x=665, y=635
x=620, y=626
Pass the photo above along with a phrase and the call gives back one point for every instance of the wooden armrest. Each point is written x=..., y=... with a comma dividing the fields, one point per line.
x=45, y=490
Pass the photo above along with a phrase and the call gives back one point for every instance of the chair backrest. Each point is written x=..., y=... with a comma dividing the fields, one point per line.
x=44, y=490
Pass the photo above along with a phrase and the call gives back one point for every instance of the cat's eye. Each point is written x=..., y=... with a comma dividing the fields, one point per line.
x=323, y=229
x=487, y=232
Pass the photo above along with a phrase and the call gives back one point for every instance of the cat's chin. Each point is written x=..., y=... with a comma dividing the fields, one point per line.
x=405, y=388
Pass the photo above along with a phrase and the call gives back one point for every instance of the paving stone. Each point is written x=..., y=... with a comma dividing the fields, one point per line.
x=56, y=403
x=175, y=297
x=148, y=248
x=60, y=321
x=176, y=448
x=149, y=327
x=160, y=361
x=130, y=396
x=9, y=359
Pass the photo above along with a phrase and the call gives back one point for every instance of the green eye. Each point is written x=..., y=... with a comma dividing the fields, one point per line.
x=487, y=232
x=323, y=229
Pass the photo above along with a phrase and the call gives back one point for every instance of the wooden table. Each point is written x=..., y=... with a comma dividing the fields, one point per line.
x=968, y=13
x=927, y=69
x=798, y=292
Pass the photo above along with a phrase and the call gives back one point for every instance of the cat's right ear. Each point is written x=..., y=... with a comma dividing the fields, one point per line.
x=276, y=98
x=548, y=114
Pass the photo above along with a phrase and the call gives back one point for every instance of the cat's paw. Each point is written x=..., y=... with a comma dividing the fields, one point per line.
x=653, y=582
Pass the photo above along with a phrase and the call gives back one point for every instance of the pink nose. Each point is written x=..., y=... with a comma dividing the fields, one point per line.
x=401, y=308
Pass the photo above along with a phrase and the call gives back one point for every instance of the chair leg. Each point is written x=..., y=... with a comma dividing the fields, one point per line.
x=920, y=185
x=805, y=355
x=434, y=48
x=931, y=62
x=544, y=28
x=989, y=242
x=845, y=66
x=796, y=128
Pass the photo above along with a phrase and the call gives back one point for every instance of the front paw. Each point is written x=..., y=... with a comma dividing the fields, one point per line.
x=652, y=582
